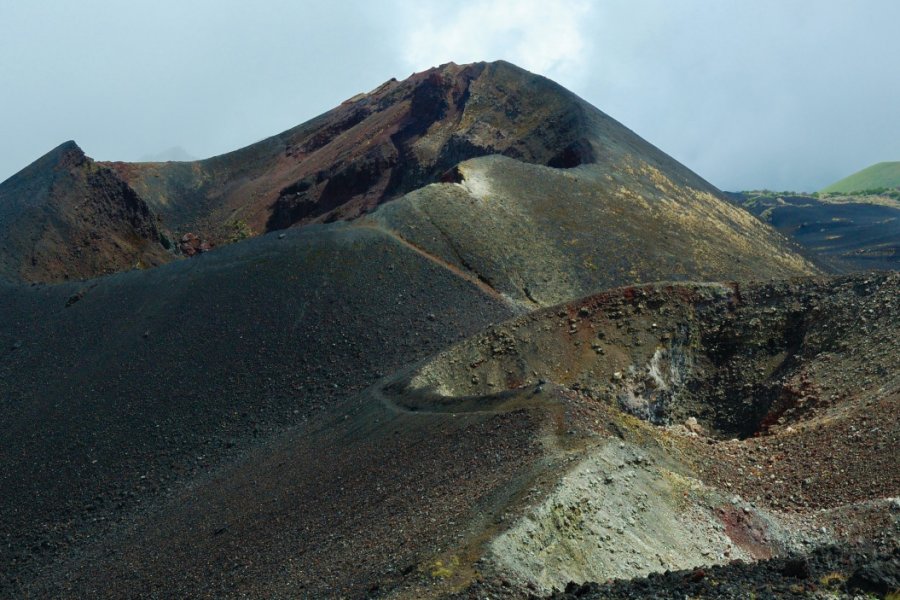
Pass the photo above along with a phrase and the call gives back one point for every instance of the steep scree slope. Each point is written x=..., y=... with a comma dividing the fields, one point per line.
x=548, y=448
x=541, y=236
x=115, y=391
x=68, y=217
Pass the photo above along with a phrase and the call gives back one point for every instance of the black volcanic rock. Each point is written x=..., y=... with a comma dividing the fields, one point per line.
x=847, y=233
x=115, y=389
x=68, y=217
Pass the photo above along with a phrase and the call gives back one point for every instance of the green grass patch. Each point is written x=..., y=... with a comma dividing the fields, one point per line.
x=879, y=177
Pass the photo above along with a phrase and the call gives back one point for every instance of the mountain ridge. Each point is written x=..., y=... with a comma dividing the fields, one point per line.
x=67, y=216
x=376, y=148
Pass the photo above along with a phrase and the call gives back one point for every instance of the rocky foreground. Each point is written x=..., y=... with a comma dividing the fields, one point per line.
x=668, y=427
x=829, y=572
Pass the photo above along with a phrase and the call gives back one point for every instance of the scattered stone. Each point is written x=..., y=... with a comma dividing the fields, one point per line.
x=693, y=426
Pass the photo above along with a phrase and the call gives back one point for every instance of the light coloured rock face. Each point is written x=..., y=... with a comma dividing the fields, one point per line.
x=786, y=379
x=646, y=391
x=621, y=513
x=541, y=236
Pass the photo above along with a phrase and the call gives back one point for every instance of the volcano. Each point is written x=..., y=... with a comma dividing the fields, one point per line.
x=463, y=335
x=556, y=165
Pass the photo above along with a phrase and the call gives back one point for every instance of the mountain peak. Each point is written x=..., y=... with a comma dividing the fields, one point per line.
x=69, y=154
x=66, y=216
x=403, y=136
x=65, y=156
x=377, y=146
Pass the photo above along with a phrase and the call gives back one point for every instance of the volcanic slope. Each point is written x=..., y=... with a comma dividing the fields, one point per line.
x=116, y=391
x=846, y=232
x=551, y=448
x=150, y=384
x=574, y=183
x=68, y=217
x=541, y=235
x=405, y=135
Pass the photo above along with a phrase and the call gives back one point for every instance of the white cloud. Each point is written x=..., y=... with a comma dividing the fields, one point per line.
x=763, y=94
x=543, y=36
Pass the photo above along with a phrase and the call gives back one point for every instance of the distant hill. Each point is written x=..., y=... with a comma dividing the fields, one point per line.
x=884, y=175
x=848, y=233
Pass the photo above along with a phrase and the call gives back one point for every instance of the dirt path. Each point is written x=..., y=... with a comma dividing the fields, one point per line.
x=469, y=276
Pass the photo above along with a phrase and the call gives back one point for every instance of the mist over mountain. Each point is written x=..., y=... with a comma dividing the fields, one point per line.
x=175, y=153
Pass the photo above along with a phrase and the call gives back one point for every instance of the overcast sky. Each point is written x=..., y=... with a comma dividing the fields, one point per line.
x=782, y=94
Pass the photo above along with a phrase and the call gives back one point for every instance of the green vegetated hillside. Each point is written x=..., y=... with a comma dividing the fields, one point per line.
x=880, y=176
